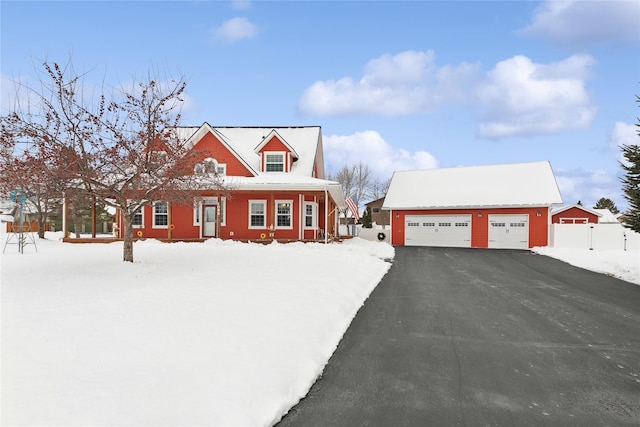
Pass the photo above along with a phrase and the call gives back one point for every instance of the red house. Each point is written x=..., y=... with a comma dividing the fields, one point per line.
x=497, y=206
x=278, y=188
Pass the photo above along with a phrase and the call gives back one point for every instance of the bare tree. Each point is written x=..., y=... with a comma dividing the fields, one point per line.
x=24, y=167
x=119, y=147
x=379, y=188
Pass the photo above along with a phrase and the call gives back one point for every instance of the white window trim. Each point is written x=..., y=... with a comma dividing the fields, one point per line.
x=275, y=210
x=264, y=208
x=279, y=153
x=222, y=211
x=153, y=216
x=142, y=214
x=197, y=208
x=223, y=169
x=314, y=216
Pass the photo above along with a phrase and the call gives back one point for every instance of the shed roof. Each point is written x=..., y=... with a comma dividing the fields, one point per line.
x=506, y=185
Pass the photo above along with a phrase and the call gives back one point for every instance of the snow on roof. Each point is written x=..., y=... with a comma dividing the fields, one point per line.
x=288, y=181
x=561, y=209
x=507, y=185
x=606, y=216
x=303, y=140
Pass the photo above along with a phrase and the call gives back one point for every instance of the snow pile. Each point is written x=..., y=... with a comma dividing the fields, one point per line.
x=624, y=265
x=214, y=333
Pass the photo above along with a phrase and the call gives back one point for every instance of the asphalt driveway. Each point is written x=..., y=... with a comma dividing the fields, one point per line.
x=484, y=337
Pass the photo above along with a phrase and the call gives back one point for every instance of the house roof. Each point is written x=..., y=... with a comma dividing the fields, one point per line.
x=305, y=143
x=381, y=199
x=506, y=185
x=288, y=182
x=606, y=216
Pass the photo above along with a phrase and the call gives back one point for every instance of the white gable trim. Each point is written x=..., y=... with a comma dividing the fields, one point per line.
x=268, y=138
x=206, y=128
x=566, y=208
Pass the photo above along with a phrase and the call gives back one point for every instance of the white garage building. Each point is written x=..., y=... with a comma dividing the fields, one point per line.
x=498, y=206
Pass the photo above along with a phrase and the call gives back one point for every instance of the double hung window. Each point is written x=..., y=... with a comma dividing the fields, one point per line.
x=160, y=215
x=274, y=162
x=257, y=213
x=283, y=213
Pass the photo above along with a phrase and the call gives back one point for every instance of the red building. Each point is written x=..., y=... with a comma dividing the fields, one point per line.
x=575, y=214
x=276, y=176
x=498, y=206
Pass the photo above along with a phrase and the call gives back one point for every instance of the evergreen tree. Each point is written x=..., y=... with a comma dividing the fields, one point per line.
x=366, y=218
x=631, y=185
x=605, y=203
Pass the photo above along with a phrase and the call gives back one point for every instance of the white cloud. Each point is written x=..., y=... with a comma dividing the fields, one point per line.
x=241, y=4
x=371, y=149
x=401, y=84
x=233, y=30
x=623, y=134
x=522, y=98
x=588, y=186
x=586, y=22
x=518, y=97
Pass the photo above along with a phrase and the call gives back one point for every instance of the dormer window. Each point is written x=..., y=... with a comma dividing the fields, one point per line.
x=274, y=162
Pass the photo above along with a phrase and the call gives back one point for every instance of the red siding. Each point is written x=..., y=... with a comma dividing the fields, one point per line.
x=237, y=218
x=538, y=225
x=211, y=146
x=575, y=213
x=275, y=144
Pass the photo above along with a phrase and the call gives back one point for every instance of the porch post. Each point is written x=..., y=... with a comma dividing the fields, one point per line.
x=326, y=214
x=93, y=217
x=65, y=211
x=169, y=231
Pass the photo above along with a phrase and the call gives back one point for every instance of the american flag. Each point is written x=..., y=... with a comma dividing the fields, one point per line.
x=354, y=209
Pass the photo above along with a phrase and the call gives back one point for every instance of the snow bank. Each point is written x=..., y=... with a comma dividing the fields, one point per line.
x=214, y=333
x=624, y=265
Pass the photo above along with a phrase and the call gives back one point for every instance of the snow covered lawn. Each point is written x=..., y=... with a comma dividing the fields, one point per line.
x=214, y=333
x=624, y=265
x=207, y=334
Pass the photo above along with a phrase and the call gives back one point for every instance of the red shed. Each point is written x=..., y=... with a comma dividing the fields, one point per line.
x=575, y=214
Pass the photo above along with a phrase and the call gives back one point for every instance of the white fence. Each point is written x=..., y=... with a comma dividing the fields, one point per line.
x=593, y=236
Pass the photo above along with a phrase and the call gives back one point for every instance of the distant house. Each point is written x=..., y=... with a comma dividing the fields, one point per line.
x=497, y=206
x=277, y=175
x=378, y=215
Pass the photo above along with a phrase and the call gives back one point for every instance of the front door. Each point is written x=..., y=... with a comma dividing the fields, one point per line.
x=209, y=216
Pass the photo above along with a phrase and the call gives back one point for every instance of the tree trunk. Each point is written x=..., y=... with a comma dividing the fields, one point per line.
x=41, y=225
x=127, y=254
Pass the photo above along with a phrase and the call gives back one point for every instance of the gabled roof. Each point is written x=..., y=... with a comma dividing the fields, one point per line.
x=268, y=138
x=576, y=206
x=305, y=141
x=606, y=216
x=508, y=185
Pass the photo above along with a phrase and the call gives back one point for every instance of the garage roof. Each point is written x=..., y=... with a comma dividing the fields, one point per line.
x=507, y=185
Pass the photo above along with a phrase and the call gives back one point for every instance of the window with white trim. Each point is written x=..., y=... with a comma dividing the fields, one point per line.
x=283, y=214
x=160, y=215
x=138, y=218
x=310, y=215
x=257, y=213
x=274, y=162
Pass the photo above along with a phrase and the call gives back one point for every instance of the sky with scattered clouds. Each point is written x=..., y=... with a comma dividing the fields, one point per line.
x=396, y=85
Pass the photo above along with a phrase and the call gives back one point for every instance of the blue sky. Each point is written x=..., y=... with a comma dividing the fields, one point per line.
x=396, y=85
